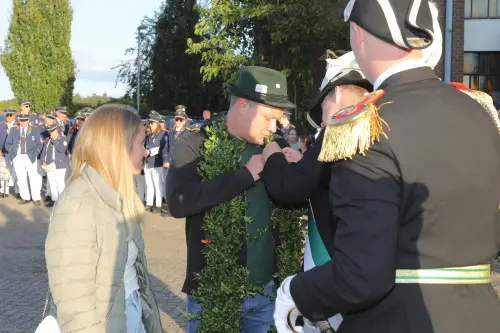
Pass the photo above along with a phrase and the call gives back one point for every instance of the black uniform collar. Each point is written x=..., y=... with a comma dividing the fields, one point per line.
x=409, y=76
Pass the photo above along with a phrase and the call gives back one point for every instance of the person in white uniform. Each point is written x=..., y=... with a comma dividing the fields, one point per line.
x=55, y=162
x=23, y=145
x=157, y=147
x=10, y=120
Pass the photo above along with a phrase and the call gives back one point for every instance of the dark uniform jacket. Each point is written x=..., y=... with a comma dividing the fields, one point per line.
x=55, y=151
x=33, y=142
x=294, y=183
x=173, y=136
x=72, y=134
x=159, y=141
x=426, y=197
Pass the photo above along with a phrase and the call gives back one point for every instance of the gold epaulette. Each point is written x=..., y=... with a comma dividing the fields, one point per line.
x=353, y=130
x=483, y=99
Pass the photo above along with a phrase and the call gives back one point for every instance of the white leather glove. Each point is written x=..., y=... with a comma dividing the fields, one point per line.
x=285, y=311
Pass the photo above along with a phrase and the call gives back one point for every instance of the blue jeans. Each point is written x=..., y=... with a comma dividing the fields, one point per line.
x=257, y=312
x=133, y=312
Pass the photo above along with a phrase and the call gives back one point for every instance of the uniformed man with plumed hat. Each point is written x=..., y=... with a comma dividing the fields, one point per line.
x=414, y=190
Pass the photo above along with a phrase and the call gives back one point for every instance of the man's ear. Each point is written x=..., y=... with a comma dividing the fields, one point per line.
x=241, y=106
x=358, y=34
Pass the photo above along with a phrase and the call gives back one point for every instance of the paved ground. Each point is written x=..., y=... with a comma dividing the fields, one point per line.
x=23, y=279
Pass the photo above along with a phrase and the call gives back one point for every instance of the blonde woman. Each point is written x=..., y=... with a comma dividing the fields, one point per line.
x=98, y=275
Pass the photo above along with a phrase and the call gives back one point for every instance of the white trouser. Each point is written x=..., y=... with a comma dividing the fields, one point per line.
x=25, y=169
x=140, y=185
x=153, y=185
x=164, y=183
x=57, y=181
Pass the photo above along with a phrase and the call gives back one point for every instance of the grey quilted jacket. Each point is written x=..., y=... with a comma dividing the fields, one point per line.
x=86, y=253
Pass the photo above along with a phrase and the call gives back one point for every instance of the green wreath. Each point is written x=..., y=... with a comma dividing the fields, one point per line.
x=223, y=283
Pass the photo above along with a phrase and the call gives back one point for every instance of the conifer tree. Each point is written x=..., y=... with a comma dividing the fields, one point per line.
x=37, y=56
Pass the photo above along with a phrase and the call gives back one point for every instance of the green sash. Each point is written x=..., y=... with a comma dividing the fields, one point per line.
x=319, y=253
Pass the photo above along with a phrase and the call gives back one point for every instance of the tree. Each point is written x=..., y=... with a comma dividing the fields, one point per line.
x=168, y=75
x=37, y=56
x=290, y=36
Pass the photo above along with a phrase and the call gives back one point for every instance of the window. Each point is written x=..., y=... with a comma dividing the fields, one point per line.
x=482, y=8
x=482, y=71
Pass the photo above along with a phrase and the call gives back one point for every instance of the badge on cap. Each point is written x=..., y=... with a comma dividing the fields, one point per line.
x=261, y=88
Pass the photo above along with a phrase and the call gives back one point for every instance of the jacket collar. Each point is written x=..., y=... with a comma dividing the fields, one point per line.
x=103, y=189
x=409, y=76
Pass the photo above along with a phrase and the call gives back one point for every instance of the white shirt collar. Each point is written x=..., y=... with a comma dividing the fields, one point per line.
x=401, y=67
x=11, y=124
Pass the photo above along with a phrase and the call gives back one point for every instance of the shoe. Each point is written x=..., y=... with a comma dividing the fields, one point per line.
x=47, y=199
x=17, y=196
x=37, y=203
x=24, y=202
x=49, y=203
x=5, y=196
x=149, y=209
x=165, y=213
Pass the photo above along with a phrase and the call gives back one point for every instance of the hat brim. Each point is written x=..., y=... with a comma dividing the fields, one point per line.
x=261, y=98
x=316, y=113
x=23, y=119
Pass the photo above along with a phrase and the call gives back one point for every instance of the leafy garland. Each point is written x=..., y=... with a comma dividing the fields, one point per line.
x=223, y=283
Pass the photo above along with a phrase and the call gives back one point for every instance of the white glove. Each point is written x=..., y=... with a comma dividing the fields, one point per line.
x=285, y=311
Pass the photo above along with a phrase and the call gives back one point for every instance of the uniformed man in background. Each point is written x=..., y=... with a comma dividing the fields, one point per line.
x=414, y=190
x=62, y=119
x=285, y=125
x=26, y=110
x=24, y=145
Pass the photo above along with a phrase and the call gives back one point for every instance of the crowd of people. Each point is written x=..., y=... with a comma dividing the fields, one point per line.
x=401, y=185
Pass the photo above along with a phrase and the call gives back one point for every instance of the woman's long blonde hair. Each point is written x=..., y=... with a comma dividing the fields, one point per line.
x=105, y=142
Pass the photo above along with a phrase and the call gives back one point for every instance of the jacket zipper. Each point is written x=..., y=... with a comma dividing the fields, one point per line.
x=116, y=295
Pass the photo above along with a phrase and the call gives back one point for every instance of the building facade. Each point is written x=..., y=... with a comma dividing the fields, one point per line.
x=475, y=47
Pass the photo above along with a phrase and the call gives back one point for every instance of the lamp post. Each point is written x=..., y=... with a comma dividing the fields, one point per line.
x=139, y=28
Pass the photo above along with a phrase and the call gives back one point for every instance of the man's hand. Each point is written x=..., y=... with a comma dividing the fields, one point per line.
x=270, y=149
x=166, y=165
x=255, y=165
x=292, y=155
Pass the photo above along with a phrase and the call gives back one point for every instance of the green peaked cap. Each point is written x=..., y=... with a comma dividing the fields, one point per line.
x=262, y=85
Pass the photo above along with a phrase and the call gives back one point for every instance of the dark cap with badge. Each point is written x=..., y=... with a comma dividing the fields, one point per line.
x=80, y=115
x=51, y=128
x=155, y=116
x=404, y=23
x=180, y=108
x=51, y=115
x=180, y=114
x=23, y=117
x=61, y=109
x=42, y=113
x=25, y=101
x=262, y=85
x=341, y=71
x=9, y=112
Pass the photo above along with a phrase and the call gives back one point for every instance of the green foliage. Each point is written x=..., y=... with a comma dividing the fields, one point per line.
x=169, y=76
x=37, y=56
x=289, y=36
x=95, y=101
x=9, y=104
x=223, y=283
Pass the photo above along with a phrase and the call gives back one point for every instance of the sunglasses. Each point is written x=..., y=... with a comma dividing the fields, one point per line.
x=179, y=119
x=23, y=120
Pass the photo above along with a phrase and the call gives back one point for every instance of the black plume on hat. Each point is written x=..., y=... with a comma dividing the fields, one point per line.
x=404, y=23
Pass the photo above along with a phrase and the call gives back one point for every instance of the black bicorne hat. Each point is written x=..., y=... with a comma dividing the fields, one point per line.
x=404, y=23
